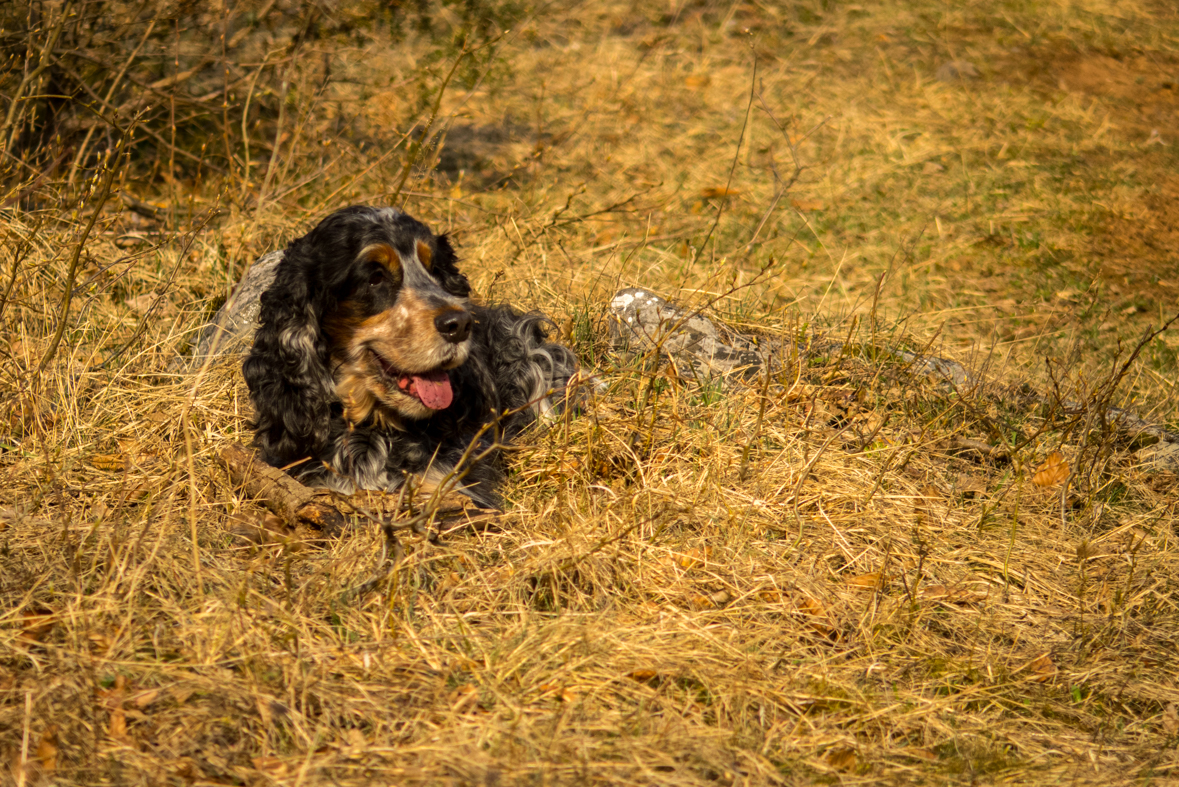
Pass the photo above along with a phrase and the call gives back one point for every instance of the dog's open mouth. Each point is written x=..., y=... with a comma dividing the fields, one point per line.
x=430, y=388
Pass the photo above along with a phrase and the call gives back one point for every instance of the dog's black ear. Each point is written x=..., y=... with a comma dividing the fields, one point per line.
x=287, y=368
x=445, y=269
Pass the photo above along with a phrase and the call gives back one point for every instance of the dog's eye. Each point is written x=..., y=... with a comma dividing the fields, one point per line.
x=377, y=279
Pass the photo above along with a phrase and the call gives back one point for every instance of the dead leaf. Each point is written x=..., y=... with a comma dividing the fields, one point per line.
x=1171, y=719
x=113, y=699
x=643, y=675
x=562, y=693
x=720, y=598
x=47, y=750
x=806, y=204
x=816, y=615
x=1042, y=669
x=1053, y=472
x=701, y=601
x=117, y=728
x=971, y=486
x=145, y=698
x=873, y=580
x=919, y=753
x=718, y=192
x=101, y=642
x=463, y=698
x=181, y=695
x=272, y=766
x=810, y=606
x=35, y=627
x=842, y=759
x=697, y=81
x=930, y=492
x=694, y=558
x=111, y=463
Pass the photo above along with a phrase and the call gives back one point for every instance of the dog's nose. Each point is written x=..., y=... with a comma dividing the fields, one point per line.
x=454, y=325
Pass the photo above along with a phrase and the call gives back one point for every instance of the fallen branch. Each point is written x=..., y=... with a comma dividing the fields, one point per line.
x=418, y=503
x=280, y=493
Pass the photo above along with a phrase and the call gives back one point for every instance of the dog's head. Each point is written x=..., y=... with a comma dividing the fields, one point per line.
x=368, y=306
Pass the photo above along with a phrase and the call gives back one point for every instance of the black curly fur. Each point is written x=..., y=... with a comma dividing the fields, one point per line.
x=299, y=418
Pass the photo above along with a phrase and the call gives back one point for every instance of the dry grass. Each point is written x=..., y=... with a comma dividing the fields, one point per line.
x=801, y=579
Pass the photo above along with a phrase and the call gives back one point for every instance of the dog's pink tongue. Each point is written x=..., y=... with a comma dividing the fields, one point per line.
x=433, y=389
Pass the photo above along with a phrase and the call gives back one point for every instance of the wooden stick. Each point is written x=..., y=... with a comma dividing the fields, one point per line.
x=282, y=494
x=328, y=512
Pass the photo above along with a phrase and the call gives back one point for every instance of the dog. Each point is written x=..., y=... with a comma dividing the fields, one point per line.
x=372, y=365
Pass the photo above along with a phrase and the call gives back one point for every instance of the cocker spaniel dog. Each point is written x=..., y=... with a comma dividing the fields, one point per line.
x=371, y=365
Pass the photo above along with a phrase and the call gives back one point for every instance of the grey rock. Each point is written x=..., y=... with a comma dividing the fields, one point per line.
x=948, y=371
x=1162, y=455
x=643, y=324
x=231, y=331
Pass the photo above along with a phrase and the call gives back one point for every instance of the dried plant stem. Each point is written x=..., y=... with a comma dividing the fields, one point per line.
x=411, y=155
x=80, y=156
x=103, y=195
x=44, y=61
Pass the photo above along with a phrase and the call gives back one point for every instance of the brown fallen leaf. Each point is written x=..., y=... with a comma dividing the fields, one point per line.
x=111, y=463
x=47, y=750
x=464, y=698
x=694, y=558
x=807, y=204
x=1042, y=669
x=1053, y=472
x=643, y=675
x=817, y=615
x=971, y=486
x=113, y=699
x=272, y=766
x=698, y=80
x=842, y=759
x=36, y=627
x=117, y=728
x=562, y=693
x=929, y=493
x=1171, y=719
x=721, y=597
x=935, y=592
x=873, y=580
x=145, y=698
x=810, y=606
x=918, y=753
x=717, y=192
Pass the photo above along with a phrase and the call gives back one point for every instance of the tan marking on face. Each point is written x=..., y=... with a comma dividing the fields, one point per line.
x=425, y=255
x=384, y=254
x=405, y=337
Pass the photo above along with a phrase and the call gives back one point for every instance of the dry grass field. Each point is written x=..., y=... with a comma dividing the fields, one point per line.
x=843, y=572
